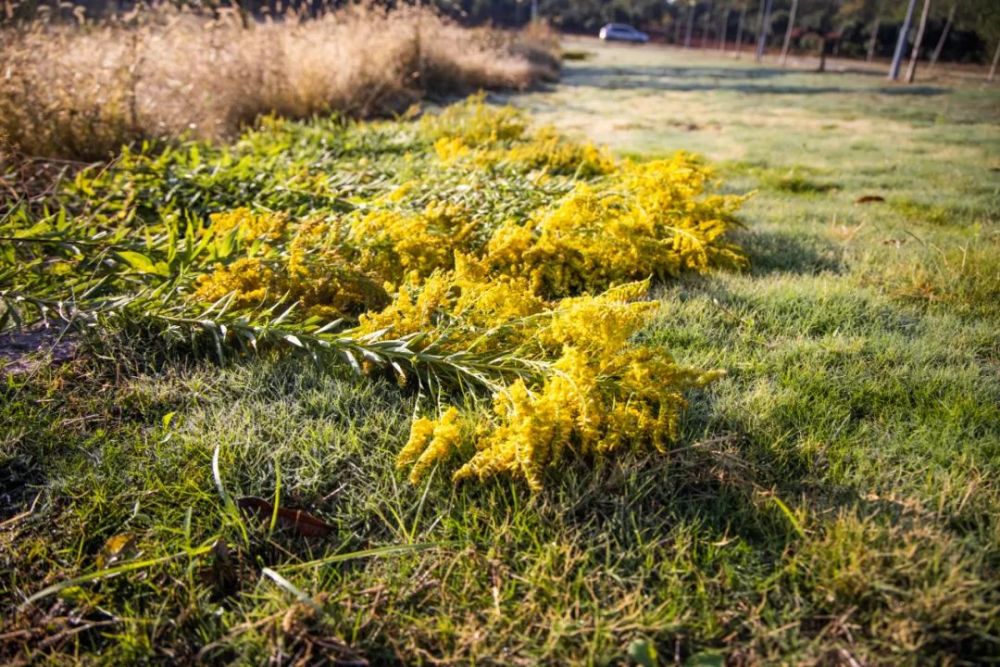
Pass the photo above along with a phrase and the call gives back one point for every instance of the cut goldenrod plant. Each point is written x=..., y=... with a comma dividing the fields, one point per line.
x=461, y=254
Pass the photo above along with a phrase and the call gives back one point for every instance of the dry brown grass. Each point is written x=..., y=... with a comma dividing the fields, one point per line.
x=82, y=91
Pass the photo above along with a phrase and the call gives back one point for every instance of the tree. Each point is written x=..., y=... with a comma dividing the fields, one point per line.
x=911, y=71
x=897, y=56
x=983, y=16
x=944, y=36
x=724, y=28
x=788, y=31
x=873, y=41
x=690, y=24
x=765, y=28
x=859, y=21
x=706, y=24
x=741, y=21
x=821, y=18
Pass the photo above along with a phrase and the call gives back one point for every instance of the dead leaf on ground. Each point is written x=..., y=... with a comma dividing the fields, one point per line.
x=300, y=521
x=868, y=199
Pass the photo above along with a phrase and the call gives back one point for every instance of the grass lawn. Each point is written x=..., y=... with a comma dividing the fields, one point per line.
x=833, y=500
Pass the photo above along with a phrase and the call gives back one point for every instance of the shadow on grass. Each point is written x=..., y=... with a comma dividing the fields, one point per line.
x=785, y=252
x=693, y=79
x=18, y=480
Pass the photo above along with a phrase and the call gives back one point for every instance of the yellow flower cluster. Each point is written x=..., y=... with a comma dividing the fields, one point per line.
x=393, y=243
x=649, y=220
x=465, y=300
x=562, y=288
x=266, y=227
x=475, y=123
x=299, y=264
x=320, y=280
x=492, y=136
x=600, y=394
x=548, y=150
x=451, y=149
x=430, y=441
x=249, y=281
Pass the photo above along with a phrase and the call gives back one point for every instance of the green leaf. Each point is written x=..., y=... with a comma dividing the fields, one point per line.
x=706, y=659
x=643, y=652
x=142, y=263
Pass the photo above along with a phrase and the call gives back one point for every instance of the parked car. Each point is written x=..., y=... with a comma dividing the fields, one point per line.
x=623, y=33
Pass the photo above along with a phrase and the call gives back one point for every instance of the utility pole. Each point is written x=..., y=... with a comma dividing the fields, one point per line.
x=904, y=30
x=911, y=71
x=765, y=27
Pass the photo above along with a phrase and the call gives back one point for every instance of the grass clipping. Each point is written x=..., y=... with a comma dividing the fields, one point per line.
x=516, y=260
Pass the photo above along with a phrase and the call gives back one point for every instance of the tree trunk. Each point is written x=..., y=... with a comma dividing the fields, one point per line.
x=822, y=55
x=739, y=29
x=904, y=30
x=873, y=42
x=707, y=25
x=788, y=32
x=944, y=36
x=765, y=27
x=993, y=67
x=760, y=23
x=690, y=25
x=724, y=32
x=911, y=71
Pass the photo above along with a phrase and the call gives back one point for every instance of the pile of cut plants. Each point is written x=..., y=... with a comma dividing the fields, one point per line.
x=498, y=271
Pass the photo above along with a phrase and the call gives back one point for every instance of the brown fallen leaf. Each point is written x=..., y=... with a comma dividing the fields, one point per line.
x=300, y=521
x=868, y=199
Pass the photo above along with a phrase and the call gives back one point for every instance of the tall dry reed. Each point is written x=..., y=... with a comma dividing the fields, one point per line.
x=82, y=91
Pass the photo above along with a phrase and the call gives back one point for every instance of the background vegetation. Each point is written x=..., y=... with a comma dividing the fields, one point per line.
x=81, y=91
x=972, y=36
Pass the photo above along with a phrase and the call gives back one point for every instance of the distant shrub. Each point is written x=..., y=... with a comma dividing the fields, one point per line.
x=82, y=91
